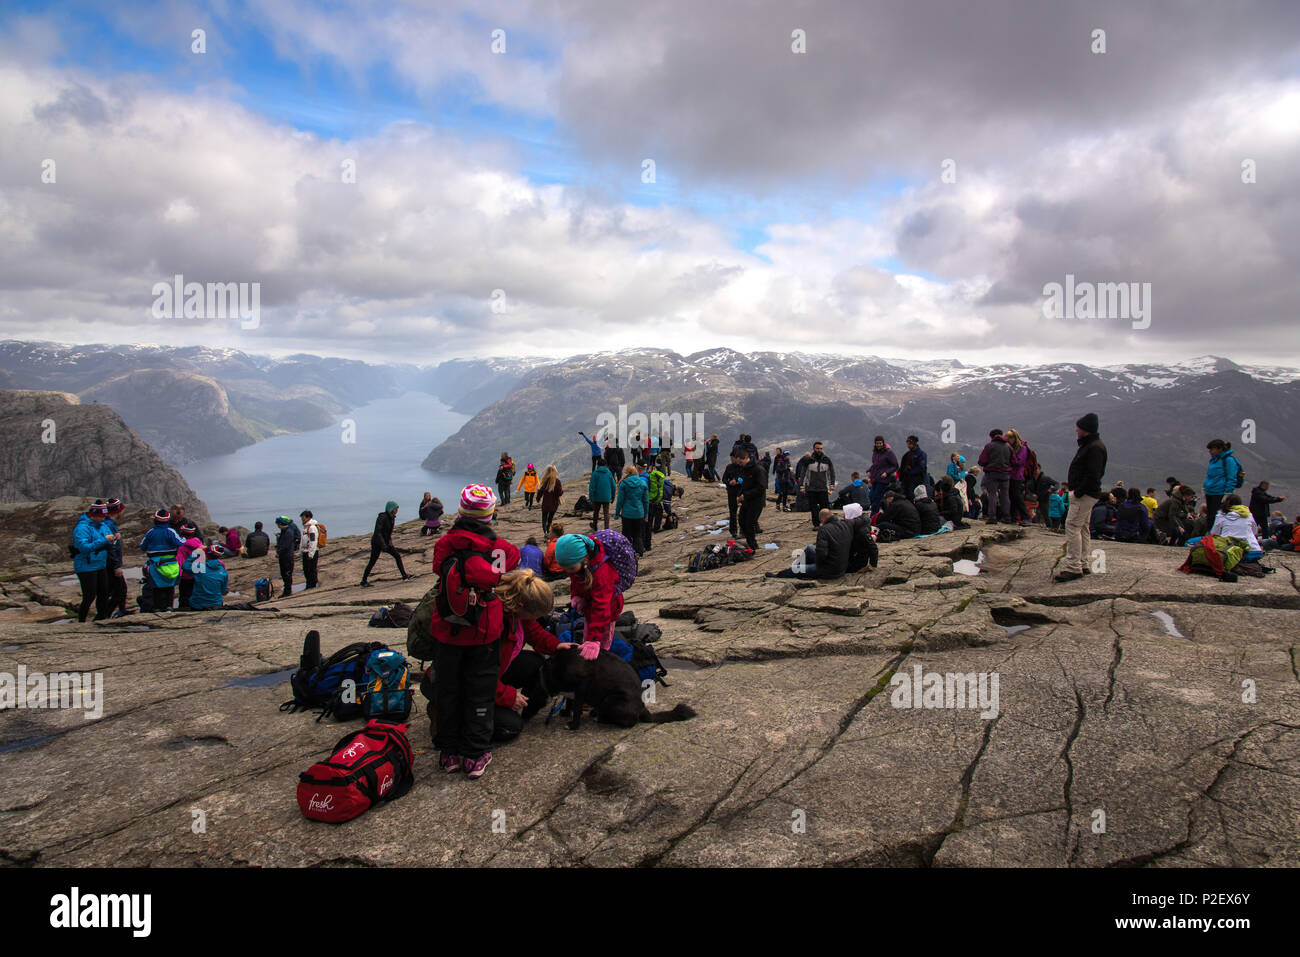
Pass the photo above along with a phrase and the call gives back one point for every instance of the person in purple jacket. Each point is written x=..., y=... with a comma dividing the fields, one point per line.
x=1019, y=458
x=884, y=468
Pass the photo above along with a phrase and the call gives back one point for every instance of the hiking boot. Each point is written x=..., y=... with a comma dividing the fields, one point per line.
x=407, y=578
x=1067, y=576
x=365, y=584
x=451, y=763
x=474, y=767
x=1087, y=570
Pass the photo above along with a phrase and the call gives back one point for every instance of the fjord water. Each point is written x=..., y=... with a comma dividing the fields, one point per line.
x=345, y=485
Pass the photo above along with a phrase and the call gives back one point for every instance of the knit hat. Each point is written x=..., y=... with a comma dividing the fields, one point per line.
x=116, y=506
x=162, y=515
x=477, y=502
x=961, y=458
x=390, y=506
x=570, y=550
x=283, y=520
x=98, y=511
x=189, y=528
x=852, y=510
x=920, y=492
x=1089, y=423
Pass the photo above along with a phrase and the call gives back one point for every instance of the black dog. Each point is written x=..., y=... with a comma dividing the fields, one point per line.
x=608, y=684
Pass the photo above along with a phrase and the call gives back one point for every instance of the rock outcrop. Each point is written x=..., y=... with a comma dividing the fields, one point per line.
x=1143, y=717
x=52, y=446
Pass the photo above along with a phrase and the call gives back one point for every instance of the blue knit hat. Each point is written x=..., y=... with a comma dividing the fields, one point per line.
x=283, y=520
x=570, y=550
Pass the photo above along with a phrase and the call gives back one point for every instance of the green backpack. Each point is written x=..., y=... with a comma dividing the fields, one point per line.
x=420, y=643
x=1231, y=550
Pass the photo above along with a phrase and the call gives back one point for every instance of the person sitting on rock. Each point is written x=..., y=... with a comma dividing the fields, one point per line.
x=257, y=544
x=551, y=570
x=531, y=556
x=1132, y=524
x=1101, y=523
x=1174, y=519
x=899, y=519
x=856, y=491
x=1235, y=521
x=863, y=555
x=926, y=510
x=211, y=581
x=951, y=507
x=830, y=556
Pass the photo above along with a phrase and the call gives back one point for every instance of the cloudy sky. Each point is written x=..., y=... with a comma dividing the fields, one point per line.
x=602, y=174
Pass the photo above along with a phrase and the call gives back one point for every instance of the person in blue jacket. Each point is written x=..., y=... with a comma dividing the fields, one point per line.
x=633, y=507
x=600, y=493
x=211, y=581
x=91, y=542
x=596, y=455
x=159, y=545
x=1220, y=474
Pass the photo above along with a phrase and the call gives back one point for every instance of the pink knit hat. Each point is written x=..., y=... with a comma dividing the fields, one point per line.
x=477, y=502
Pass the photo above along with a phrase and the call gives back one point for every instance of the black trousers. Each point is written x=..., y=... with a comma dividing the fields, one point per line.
x=94, y=588
x=547, y=518
x=528, y=499
x=464, y=689
x=656, y=516
x=733, y=514
x=187, y=589
x=503, y=493
x=309, y=563
x=634, y=532
x=749, y=522
x=1019, y=510
x=595, y=460
x=1212, y=503
x=525, y=674
x=116, y=592
x=286, y=574
x=375, y=552
x=818, y=500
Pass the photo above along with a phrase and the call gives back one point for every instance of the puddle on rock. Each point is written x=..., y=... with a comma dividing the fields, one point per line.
x=1013, y=629
x=25, y=743
x=10, y=647
x=268, y=680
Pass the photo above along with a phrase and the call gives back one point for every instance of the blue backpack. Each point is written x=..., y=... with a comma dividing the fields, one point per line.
x=323, y=682
x=384, y=691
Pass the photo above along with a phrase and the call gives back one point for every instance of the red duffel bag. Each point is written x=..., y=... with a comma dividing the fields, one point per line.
x=367, y=766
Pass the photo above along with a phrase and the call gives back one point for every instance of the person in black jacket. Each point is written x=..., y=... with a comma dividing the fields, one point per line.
x=818, y=482
x=286, y=550
x=926, y=510
x=1086, y=472
x=829, y=558
x=751, y=489
x=1260, y=500
x=900, y=518
x=382, y=542
x=258, y=543
x=729, y=478
x=949, y=502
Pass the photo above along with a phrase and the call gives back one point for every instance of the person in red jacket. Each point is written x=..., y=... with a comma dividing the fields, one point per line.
x=593, y=585
x=470, y=559
x=521, y=692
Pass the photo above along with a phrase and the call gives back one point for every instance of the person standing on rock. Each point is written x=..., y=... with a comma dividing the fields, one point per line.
x=470, y=560
x=116, y=574
x=750, y=488
x=528, y=484
x=550, y=491
x=995, y=460
x=914, y=469
x=818, y=482
x=600, y=493
x=884, y=468
x=633, y=507
x=191, y=542
x=1023, y=464
x=160, y=545
x=505, y=476
x=381, y=541
x=91, y=541
x=310, y=547
x=1086, y=472
x=1220, y=474
x=595, y=449
x=286, y=546
x=1260, y=500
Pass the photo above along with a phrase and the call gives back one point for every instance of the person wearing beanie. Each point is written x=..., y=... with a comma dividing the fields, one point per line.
x=160, y=545
x=190, y=543
x=1086, y=472
x=310, y=547
x=593, y=585
x=91, y=541
x=469, y=560
x=381, y=542
x=116, y=573
x=286, y=547
x=528, y=482
x=210, y=579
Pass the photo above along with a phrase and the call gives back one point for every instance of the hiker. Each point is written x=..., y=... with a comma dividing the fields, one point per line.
x=633, y=507
x=750, y=489
x=926, y=510
x=551, y=569
x=974, y=503
x=1149, y=500
x=1132, y=523
x=1086, y=471
x=160, y=544
x=600, y=493
x=430, y=510
x=1220, y=474
x=233, y=545
x=856, y=491
x=191, y=541
x=995, y=460
x=1292, y=544
x=287, y=541
x=1101, y=523
x=531, y=556
x=1044, y=488
x=550, y=491
x=381, y=541
x=505, y=475
x=864, y=555
x=258, y=543
x=899, y=519
x=884, y=466
x=1023, y=463
x=469, y=560
x=957, y=472
x=952, y=508
x=211, y=580
x=528, y=482
x=521, y=691
x=914, y=469
x=1057, y=506
x=1260, y=500
x=595, y=449
x=785, y=486
x=818, y=482
x=91, y=540
x=655, y=486
x=711, y=456
x=593, y=585
x=1235, y=521
x=829, y=557
x=1174, y=516
x=116, y=573
x=310, y=547
x=731, y=479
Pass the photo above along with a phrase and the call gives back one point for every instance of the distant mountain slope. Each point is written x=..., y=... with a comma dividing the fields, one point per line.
x=93, y=454
x=1156, y=419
